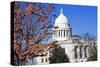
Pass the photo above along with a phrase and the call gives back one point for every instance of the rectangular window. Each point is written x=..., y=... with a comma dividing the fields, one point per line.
x=76, y=51
x=42, y=60
x=85, y=51
x=46, y=59
x=81, y=51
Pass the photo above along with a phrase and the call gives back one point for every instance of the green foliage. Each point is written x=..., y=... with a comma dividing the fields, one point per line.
x=59, y=56
x=93, y=55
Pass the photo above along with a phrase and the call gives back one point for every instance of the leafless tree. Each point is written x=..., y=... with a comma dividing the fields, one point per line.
x=32, y=22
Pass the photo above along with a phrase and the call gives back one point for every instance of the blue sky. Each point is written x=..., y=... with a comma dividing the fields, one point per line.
x=81, y=18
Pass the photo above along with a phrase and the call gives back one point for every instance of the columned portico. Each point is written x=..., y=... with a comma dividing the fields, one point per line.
x=80, y=53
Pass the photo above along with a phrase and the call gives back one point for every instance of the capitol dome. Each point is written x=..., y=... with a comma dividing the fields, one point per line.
x=61, y=29
x=62, y=20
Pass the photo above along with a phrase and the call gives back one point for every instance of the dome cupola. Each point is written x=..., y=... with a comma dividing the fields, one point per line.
x=61, y=20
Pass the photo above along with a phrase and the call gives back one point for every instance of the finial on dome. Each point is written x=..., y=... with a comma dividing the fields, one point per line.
x=61, y=11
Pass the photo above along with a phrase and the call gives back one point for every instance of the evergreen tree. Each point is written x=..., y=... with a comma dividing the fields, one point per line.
x=93, y=54
x=59, y=56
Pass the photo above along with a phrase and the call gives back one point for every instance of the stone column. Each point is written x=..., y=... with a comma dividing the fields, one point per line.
x=57, y=34
x=78, y=52
x=54, y=34
x=87, y=51
x=60, y=33
x=83, y=52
